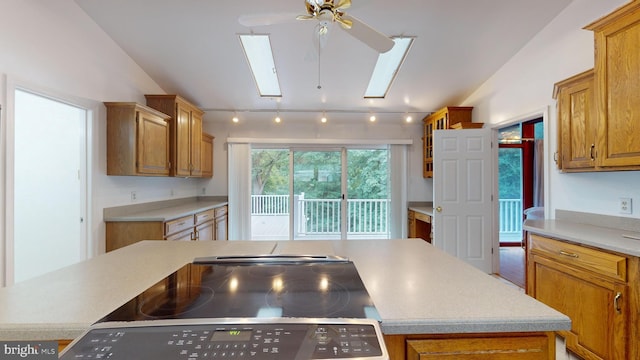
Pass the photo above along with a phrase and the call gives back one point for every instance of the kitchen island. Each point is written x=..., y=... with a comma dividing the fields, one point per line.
x=417, y=289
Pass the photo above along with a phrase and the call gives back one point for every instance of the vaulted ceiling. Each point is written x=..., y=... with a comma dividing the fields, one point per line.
x=191, y=47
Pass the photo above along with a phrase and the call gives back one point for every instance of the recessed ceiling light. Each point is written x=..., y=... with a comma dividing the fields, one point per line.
x=409, y=118
x=235, y=119
x=277, y=119
x=372, y=118
x=257, y=49
x=387, y=68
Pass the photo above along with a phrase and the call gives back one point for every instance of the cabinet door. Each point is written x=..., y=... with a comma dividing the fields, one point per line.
x=577, y=125
x=183, y=141
x=207, y=155
x=221, y=228
x=195, y=139
x=617, y=37
x=186, y=235
x=152, y=144
x=205, y=231
x=597, y=307
x=412, y=224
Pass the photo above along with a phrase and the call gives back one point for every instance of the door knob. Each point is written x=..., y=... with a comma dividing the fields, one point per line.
x=439, y=209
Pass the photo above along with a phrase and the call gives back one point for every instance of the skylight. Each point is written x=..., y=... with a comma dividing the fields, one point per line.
x=387, y=68
x=257, y=49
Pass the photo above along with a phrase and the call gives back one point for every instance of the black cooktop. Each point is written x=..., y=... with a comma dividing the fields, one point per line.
x=261, y=289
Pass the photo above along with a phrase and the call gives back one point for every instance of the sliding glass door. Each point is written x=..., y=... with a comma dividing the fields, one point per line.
x=331, y=194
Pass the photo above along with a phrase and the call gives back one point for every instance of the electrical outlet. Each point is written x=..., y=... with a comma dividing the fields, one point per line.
x=134, y=196
x=173, y=192
x=204, y=191
x=624, y=205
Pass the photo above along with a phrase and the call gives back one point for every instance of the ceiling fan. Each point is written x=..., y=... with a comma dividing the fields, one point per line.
x=326, y=12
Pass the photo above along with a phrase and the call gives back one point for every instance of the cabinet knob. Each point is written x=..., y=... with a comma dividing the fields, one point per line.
x=439, y=209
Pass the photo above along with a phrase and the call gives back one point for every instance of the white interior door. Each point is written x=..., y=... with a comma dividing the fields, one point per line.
x=462, y=195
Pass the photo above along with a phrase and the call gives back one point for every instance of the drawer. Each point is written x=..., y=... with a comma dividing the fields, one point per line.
x=205, y=216
x=221, y=211
x=423, y=217
x=598, y=261
x=185, y=235
x=174, y=226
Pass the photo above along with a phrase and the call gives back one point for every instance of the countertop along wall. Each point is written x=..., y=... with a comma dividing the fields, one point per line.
x=524, y=86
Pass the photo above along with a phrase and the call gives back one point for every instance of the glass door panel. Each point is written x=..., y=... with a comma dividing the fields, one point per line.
x=270, y=216
x=368, y=194
x=317, y=195
x=510, y=190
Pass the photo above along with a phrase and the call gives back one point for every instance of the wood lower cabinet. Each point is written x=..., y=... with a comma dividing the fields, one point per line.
x=440, y=120
x=491, y=346
x=419, y=226
x=209, y=224
x=186, y=133
x=137, y=140
x=221, y=223
x=597, y=289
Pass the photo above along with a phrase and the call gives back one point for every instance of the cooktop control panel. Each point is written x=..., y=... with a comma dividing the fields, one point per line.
x=195, y=339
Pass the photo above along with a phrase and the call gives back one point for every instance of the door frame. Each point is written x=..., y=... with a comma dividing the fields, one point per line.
x=543, y=113
x=8, y=137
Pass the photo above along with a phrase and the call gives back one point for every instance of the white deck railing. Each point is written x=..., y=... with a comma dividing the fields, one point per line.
x=510, y=221
x=322, y=216
x=366, y=216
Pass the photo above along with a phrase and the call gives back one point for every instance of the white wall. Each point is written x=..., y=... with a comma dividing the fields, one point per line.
x=525, y=85
x=54, y=46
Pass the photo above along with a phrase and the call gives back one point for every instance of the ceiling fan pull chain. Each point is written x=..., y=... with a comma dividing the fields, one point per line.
x=319, y=60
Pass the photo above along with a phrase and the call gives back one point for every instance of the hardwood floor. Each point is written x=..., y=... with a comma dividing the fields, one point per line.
x=512, y=264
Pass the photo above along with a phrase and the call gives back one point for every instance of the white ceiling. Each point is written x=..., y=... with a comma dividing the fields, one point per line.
x=190, y=47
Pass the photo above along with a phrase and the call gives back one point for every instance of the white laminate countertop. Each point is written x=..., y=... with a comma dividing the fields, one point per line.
x=415, y=287
x=622, y=241
x=164, y=213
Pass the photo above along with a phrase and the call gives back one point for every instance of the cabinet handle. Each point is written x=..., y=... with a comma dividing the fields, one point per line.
x=616, y=302
x=593, y=147
x=555, y=157
x=181, y=223
x=194, y=235
x=569, y=254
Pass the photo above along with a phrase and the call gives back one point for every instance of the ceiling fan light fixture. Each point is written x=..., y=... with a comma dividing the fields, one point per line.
x=387, y=68
x=257, y=50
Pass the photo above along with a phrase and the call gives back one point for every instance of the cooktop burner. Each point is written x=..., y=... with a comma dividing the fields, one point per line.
x=261, y=289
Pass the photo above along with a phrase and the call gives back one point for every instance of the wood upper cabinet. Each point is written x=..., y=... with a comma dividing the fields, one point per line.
x=137, y=140
x=440, y=120
x=597, y=289
x=186, y=133
x=207, y=155
x=576, y=123
x=617, y=89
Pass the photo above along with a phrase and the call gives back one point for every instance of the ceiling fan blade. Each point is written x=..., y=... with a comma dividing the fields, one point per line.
x=343, y=4
x=265, y=19
x=305, y=17
x=346, y=23
x=368, y=35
